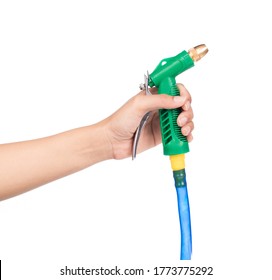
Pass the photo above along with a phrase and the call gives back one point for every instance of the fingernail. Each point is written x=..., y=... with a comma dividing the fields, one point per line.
x=190, y=138
x=182, y=121
x=179, y=99
x=186, y=131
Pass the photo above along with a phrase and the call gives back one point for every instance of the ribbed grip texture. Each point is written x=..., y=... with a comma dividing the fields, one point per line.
x=174, y=141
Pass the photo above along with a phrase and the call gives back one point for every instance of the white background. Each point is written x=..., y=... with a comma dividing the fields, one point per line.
x=66, y=64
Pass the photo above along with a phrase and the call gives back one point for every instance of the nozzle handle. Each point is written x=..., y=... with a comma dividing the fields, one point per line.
x=163, y=77
x=174, y=142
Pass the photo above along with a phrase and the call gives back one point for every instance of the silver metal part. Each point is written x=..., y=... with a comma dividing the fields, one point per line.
x=144, y=119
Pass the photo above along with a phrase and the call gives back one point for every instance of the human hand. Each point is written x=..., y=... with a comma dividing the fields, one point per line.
x=28, y=164
x=121, y=126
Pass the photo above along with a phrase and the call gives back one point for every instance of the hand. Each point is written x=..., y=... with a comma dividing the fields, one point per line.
x=29, y=164
x=121, y=126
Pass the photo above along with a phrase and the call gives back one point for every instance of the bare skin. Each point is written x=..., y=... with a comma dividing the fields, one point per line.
x=30, y=164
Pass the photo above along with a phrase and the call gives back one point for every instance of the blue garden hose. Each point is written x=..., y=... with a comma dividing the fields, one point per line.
x=184, y=214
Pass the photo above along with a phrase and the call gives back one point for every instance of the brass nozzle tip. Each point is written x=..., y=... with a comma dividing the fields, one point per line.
x=198, y=52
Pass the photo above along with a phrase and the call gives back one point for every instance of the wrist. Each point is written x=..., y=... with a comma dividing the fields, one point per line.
x=99, y=147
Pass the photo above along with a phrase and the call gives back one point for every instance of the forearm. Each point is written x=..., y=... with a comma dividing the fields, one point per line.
x=29, y=164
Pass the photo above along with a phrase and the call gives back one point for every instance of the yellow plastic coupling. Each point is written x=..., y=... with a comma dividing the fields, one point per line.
x=177, y=162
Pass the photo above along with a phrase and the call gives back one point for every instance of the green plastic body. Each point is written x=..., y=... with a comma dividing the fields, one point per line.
x=163, y=77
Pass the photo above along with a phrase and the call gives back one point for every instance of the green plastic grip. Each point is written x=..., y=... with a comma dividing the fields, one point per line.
x=174, y=142
x=163, y=77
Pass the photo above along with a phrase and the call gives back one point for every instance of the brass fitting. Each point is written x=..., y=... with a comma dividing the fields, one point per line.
x=198, y=52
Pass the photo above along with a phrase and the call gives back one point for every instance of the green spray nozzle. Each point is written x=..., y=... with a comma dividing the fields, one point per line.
x=164, y=78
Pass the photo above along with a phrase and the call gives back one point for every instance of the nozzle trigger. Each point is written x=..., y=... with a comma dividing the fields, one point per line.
x=144, y=119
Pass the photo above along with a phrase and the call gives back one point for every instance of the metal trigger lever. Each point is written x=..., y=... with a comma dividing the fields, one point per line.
x=144, y=119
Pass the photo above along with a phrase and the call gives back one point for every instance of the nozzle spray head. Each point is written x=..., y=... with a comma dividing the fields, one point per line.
x=198, y=52
x=173, y=66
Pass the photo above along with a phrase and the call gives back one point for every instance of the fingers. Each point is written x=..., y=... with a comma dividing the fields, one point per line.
x=158, y=101
x=185, y=117
x=187, y=97
x=187, y=129
x=155, y=101
x=144, y=103
x=190, y=138
x=184, y=120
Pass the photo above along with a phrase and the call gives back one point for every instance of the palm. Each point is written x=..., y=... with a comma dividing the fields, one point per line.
x=123, y=135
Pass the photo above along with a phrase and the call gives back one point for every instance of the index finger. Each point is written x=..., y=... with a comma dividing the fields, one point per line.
x=184, y=92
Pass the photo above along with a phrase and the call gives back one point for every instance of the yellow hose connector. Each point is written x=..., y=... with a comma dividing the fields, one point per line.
x=177, y=162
